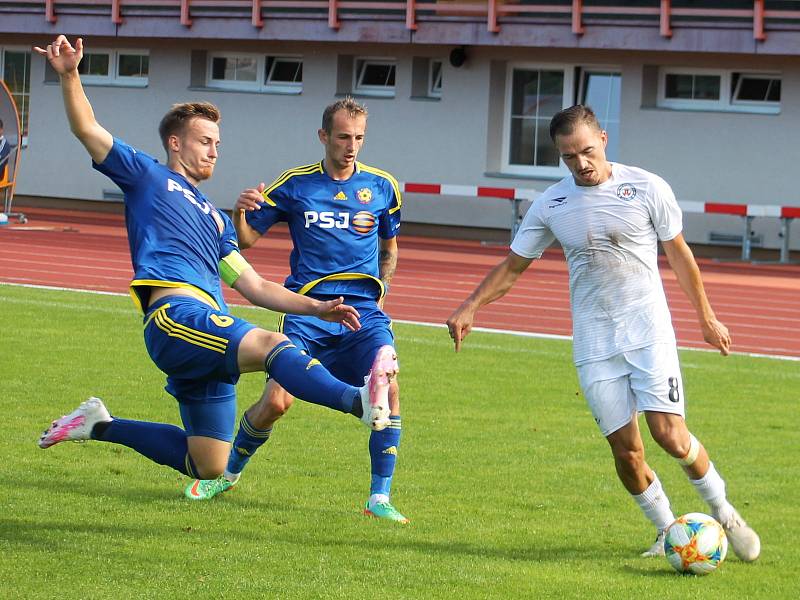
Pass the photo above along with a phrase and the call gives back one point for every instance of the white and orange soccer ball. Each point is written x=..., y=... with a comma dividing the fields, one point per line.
x=695, y=543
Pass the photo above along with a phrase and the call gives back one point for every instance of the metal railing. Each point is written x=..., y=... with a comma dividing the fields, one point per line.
x=759, y=15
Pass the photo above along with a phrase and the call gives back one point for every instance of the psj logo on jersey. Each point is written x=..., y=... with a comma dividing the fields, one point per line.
x=174, y=186
x=363, y=221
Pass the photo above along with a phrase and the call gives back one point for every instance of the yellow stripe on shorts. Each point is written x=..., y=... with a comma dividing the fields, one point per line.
x=187, y=334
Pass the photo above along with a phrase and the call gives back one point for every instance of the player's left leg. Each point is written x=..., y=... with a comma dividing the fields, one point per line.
x=671, y=433
x=659, y=390
x=356, y=353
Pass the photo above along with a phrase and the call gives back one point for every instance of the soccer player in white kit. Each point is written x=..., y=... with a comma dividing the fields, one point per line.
x=608, y=218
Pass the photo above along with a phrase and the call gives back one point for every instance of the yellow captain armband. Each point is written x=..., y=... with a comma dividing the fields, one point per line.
x=231, y=267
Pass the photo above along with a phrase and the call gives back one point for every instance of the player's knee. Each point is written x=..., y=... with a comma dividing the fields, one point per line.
x=278, y=405
x=673, y=440
x=209, y=467
x=629, y=457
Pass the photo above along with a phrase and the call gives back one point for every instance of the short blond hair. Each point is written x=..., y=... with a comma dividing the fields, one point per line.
x=348, y=103
x=179, y=116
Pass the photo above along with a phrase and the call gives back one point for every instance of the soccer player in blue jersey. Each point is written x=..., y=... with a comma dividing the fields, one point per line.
x=343, y=217
x=182, y=248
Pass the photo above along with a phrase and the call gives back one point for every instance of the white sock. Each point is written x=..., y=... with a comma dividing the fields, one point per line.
x=232, y=477
x=711, y=488
x=655, y=505
x=376, y=498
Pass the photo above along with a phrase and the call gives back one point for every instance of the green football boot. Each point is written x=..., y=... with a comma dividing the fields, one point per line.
x=384, y=510
x=205, y=489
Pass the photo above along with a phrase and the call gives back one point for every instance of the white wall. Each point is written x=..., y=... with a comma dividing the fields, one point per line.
x=706, y=156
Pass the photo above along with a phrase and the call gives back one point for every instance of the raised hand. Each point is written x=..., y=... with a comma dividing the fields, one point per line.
x=250, y=199
x=61, y=55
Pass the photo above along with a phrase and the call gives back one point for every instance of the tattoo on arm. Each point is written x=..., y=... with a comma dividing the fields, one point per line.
x=387, y=261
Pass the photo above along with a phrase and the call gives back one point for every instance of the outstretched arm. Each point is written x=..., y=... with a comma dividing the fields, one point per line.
x=682, y=261
x=272, y=296
x=64, y=59
x=495, y=285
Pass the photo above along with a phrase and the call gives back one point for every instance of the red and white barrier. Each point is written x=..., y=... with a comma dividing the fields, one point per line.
x=517, y=195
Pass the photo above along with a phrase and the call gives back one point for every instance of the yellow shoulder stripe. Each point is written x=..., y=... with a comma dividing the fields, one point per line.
x=286, y=176
x=388, y=176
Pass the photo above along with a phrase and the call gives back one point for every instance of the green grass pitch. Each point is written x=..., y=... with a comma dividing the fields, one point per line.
x=509, y=485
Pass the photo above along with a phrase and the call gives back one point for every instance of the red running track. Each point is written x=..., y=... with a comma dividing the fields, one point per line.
x=759, y=303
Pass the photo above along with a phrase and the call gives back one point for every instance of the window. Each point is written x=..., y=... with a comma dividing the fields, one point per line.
x=715, y=89
x=256, y=73
x=601, y=90
x=757, y=89
x=374, y=76
x=133, y=66
x=284, y=72
x=435, y=79
x=233, y=69
x=15, y=70
x=115, y=67
x=534, y=95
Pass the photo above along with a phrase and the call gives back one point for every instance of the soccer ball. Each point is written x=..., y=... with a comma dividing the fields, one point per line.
x=695, y=543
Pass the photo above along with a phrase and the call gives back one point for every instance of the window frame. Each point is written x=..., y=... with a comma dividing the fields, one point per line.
x=261, y=83
x=765, y=75
x=568, y=94
x=580, y=92
x=233, y=84
x=24, y=124
x=726, y=102
x=433, y=92
x=368, y=89
x=113, y=77
x=287, y=87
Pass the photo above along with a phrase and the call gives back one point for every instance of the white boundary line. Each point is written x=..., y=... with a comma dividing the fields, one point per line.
x=548, y=336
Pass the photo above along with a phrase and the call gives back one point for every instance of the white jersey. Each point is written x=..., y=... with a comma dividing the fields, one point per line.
x=609, y=234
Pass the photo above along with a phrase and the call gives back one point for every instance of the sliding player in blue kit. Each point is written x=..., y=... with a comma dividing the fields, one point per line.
x=343, y=217
x=181, y=248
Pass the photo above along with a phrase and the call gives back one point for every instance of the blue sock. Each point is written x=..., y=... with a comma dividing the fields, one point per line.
x=161, y=443
x=305, y=378
x=383, y=447
x=248, y=440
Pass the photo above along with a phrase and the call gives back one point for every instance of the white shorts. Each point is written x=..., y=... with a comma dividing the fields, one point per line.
x=645, y=379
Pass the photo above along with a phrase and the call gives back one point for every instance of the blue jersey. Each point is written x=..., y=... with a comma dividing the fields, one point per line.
x=334, y=226
x=176, y=236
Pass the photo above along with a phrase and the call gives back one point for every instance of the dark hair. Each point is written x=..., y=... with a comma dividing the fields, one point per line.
x=564, y=122
x=1, y=124
x=179, y=116
x=348, y=103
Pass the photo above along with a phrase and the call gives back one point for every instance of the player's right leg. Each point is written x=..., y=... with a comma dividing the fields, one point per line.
x=192, y=455
x=606, y=386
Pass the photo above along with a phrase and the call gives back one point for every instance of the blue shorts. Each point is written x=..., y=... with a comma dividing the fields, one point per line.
x=197, y=347
x=348, y=355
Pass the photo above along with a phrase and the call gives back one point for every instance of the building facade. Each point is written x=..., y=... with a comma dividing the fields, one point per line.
x=706, y=94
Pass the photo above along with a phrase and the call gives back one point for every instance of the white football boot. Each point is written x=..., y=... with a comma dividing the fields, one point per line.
x=744, y=541
x=657, y=549
x=77, y=425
